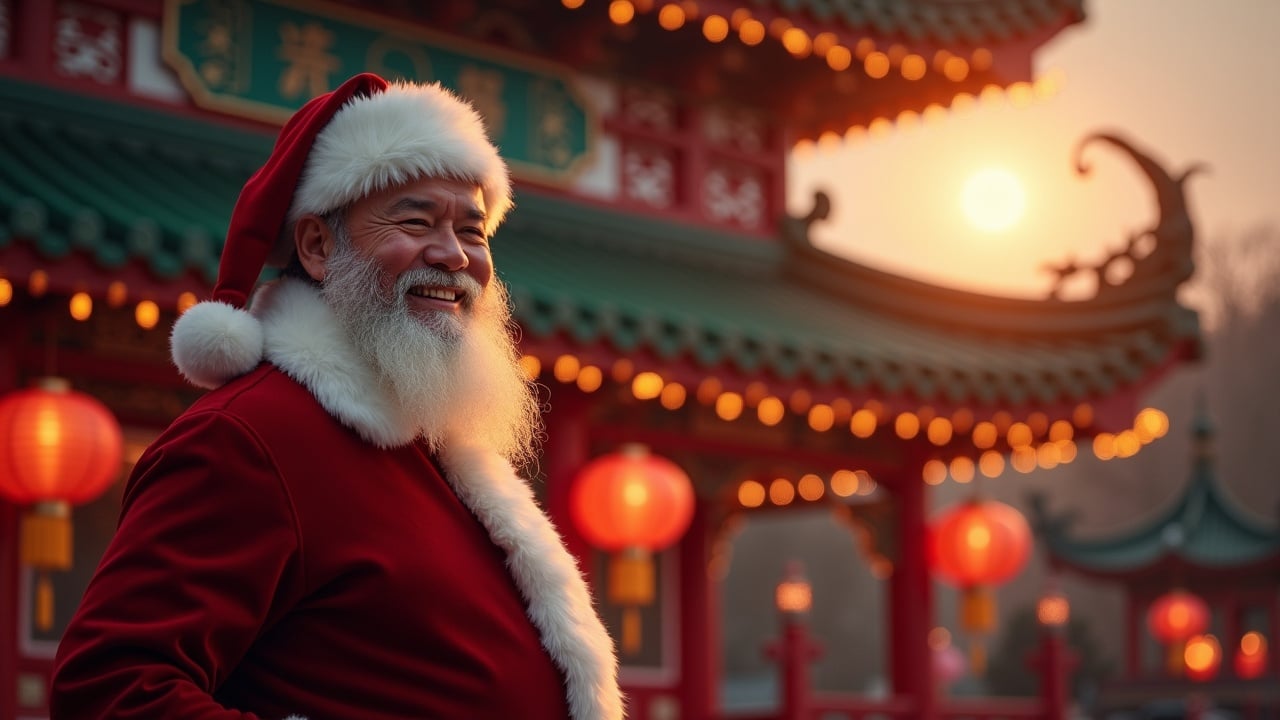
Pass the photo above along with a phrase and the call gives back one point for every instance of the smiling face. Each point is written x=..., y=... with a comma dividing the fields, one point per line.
x=427, y=238
x=429, y=223
x=408, y=276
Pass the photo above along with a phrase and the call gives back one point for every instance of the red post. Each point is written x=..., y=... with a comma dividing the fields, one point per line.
x=1055, y=661
x=1132, y=636
x=794, y=650
x=698, y=623
x=566, y=450
x=911, y=598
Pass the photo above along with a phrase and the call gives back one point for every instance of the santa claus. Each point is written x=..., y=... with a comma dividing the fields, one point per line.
x=337, y=529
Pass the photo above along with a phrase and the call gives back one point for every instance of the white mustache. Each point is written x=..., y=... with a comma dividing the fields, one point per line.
x=435, y=276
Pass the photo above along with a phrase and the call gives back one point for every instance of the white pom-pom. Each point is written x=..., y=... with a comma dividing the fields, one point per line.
x=213, y=342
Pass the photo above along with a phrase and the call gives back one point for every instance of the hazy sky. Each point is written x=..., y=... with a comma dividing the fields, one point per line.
x=1185, y=80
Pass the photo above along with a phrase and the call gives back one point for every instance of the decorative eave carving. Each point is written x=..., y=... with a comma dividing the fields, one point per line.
x=1146, y=299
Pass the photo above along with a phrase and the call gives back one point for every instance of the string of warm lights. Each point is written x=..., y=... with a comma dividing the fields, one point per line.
x=875, y=62
x=146, y=313
x=1034, y=442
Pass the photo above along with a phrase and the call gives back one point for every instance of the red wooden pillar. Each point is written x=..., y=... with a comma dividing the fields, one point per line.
x=911, y=598
x=1273, y=633
x=1232, y=628
x=793, y=653
x=1055, y=662
x=698, y=624
x=16, y=329
x=566, y=450
x=1132, y=637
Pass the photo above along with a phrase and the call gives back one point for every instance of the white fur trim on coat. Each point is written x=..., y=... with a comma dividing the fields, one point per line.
x=392, y=137
x=305, y=340
x=555, y=594
x=213, y=342
x=299, y=334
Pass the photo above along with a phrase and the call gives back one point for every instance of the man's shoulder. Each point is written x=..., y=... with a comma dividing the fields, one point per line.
x=261, y=400
x=263, y=409
x=261, y=387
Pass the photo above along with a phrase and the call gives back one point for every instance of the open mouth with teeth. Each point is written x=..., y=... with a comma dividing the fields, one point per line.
x=437, y=294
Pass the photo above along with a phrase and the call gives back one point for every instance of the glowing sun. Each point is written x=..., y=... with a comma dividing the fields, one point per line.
x=993, y=199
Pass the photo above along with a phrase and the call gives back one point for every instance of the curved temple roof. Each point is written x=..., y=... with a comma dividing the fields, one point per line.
x=1202, y=530
x=132, y=193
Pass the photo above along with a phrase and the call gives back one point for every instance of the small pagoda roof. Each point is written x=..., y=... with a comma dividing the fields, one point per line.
x=129, y=195
x=1202, y=530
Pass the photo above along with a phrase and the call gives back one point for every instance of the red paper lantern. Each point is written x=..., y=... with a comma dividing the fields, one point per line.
x=1251, y=656
x=631, y=499
x=1203, y=657
x=60, y=448
x=1176, y=616
x=975, y=545
x=631, y=503
x=980, y=542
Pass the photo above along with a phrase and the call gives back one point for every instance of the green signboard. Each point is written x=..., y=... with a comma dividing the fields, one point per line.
x=264, y=58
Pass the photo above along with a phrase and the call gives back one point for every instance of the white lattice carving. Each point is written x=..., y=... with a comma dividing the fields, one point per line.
x=650, y=108
x=734, y=198
x=736, y=129
x=87, y=43
x=649, y=177
x=5, y=13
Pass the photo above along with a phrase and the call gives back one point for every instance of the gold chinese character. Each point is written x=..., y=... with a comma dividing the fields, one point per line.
x=552, y=132
x=484, y=89
x=305, y=50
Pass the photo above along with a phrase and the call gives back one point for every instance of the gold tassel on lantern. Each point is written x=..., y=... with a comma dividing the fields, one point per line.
x=1174, y=661
x=631, y=585
x=46, y=545
x=977, y=618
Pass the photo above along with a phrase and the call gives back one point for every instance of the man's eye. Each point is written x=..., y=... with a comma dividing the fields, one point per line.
x=419, y=222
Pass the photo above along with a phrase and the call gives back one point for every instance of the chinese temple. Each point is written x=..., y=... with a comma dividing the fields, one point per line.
x=665, y=297
x=1198, y=574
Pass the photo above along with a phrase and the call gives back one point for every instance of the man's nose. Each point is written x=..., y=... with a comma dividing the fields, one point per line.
x=445, y=251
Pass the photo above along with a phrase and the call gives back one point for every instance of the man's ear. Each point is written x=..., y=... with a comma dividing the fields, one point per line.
x=313, y=241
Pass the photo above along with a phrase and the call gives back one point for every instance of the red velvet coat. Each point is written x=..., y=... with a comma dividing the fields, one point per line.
x=273, y=561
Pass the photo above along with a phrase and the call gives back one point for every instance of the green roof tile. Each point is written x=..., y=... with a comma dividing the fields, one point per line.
x=121, y=185
x=938, y=21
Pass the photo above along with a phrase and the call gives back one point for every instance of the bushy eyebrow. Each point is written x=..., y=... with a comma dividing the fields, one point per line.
x=411, y=204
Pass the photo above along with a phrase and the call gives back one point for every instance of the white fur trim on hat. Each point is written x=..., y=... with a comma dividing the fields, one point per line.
x=213, y=342
x=396, y=136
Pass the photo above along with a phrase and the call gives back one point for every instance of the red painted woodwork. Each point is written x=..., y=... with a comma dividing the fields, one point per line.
x=911, y=596
x=1054, y=662
x=565, y=451
x=794, y=652
x=1176, y=616
x=698, y=620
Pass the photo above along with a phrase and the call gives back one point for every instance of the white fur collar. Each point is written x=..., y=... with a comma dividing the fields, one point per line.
x=302, y=337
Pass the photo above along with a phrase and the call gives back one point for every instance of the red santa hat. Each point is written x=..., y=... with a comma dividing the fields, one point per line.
x=364, y=136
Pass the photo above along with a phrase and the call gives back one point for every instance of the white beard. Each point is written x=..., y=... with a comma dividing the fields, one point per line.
x=455, y=380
